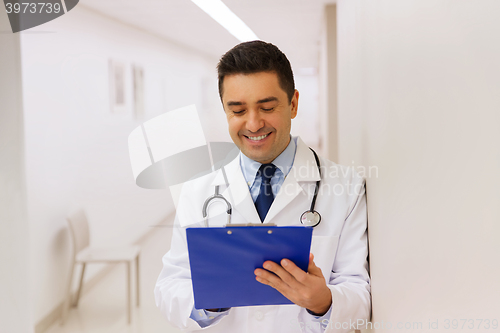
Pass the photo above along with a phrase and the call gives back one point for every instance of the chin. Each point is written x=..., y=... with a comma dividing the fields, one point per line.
x=252, y=156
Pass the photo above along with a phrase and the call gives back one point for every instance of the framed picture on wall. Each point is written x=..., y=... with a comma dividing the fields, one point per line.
x=138, y=91
x=117, y=87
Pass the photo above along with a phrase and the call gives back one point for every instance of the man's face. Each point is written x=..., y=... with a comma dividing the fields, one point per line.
x=258, y=114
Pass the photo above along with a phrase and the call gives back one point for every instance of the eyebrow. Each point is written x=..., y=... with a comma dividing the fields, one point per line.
x=261, y=101
x=231, y=103
x=268, y=99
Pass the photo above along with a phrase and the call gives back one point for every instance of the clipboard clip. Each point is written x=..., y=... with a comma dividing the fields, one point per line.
x=250, y=225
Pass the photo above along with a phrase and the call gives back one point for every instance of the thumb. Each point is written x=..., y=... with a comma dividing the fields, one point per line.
x=312, y=268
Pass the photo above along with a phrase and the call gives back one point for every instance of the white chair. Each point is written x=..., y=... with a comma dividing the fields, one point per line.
x=83, y=254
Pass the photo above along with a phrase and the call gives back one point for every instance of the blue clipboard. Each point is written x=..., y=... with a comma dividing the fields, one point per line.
x=223, y=261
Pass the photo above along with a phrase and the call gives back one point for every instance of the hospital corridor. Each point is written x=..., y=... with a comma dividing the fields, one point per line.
x=169, y=166
x=103, y=307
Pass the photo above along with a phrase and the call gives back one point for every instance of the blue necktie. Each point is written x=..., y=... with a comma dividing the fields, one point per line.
x=266, y=197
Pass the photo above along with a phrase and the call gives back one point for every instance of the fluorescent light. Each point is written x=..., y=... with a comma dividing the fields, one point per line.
x=225, y=17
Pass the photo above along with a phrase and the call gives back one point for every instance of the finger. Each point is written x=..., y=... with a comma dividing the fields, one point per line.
x=295, y=271
x=269, y=278
x=282, y=288
x=265, y=274
x=281, y=272
x=262, y=279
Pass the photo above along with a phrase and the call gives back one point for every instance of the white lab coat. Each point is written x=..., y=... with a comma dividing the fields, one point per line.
x=339, y=245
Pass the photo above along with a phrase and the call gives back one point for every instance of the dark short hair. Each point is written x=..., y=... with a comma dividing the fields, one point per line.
x=254, y=57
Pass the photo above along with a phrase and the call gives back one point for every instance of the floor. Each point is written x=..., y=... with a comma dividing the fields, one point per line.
x=103, y=308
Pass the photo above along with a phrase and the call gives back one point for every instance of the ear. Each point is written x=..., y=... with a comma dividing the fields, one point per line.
x=295, y=103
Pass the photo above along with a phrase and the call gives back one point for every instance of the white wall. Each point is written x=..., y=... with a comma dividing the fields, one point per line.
x=76, y=149
x=419, y=98
x=15, y=305
x=306, y=123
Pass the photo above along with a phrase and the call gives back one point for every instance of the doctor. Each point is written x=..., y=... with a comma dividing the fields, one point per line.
x=273, y=180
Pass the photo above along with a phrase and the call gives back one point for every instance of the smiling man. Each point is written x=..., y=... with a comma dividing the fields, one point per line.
x=268, y=184
x=259, y=114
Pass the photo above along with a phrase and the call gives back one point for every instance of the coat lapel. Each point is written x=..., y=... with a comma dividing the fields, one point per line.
x=237, y=192
x=304, y=169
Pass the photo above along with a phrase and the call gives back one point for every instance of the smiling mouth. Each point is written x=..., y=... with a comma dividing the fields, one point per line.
x=258, y=138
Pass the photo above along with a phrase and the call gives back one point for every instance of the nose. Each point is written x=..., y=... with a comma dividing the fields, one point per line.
x=254, y=121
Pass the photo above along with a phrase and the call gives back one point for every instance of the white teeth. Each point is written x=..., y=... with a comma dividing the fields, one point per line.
x=257, y=138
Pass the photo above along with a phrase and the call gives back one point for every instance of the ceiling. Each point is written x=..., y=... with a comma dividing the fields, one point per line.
x=292, y=25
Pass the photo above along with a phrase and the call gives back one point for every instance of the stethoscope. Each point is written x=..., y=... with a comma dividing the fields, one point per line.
x=309, y=218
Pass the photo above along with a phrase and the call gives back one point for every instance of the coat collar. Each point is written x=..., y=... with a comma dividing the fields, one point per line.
x=304, y=170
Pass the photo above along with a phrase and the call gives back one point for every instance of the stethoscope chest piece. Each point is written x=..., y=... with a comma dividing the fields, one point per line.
x=310, y=218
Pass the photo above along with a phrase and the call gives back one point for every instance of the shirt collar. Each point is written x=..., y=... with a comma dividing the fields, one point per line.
x=284, y=162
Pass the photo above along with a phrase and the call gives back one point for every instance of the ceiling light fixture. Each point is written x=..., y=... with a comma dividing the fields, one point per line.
x=225, y=17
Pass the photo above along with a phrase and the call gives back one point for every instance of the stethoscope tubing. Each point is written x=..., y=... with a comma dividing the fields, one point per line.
x=311, y=217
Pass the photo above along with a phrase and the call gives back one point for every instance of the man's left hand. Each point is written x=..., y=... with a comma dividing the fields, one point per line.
x=306, y=289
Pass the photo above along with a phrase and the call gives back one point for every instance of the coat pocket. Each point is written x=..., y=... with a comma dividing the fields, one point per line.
x=324, y=249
